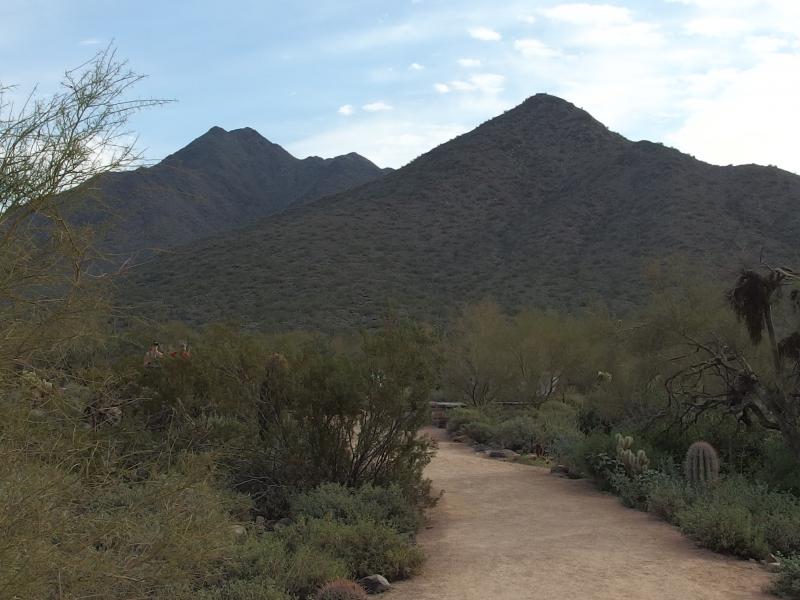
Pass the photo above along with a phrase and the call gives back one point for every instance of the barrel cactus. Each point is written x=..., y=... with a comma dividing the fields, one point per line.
x=341, y=589
x=702, y=464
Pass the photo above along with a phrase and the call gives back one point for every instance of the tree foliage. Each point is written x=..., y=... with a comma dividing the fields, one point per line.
x=49, y=145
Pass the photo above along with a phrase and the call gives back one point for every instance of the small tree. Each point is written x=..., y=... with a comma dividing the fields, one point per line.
x=722, y=378
x=48, y=146
x=346, y=417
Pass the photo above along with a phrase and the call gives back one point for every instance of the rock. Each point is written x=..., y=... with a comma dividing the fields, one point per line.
x=238, y=530
x=560, y=470
x=281, y=523
x=461, y=439
x=481, y=448
x=375, y=584
x=505, y=453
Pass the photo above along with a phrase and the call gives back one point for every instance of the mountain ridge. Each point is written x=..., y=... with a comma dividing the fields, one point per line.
x=542, y=205
x=220, y=181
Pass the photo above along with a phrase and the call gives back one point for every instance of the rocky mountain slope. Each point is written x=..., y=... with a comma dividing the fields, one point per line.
x=542, y=205
x=221, y=181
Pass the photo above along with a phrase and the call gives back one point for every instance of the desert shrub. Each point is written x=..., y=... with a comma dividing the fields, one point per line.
x=744, y=518
x=299, y=569
x=776, y=466
x=633, y=490
x=724, y=527
x=385, y=505
x=351, y=418
x=519, y=433
x=457, y=418
x=667, y=495
x=581, y=457
x=76, y=500
x=364, y=547
x=480, y=431
x=309, y=567
x=341, y=589
x=787, y=585
x=261, y=588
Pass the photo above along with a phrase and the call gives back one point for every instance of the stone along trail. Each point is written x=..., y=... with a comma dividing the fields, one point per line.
x=504, y=531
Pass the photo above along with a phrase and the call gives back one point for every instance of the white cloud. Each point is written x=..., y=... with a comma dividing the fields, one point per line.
x=752, y=117
x=416, y=66
x=346, y=110
x=533, y=48
x=484, y=83
x=469, y=63
x=596, y=15
x=485, y=34
x=529, y=19
x=488, y=83
x=764, y=44
x=605, y=25
x=387, y=141
x=378, y=106
x=718, y=26
x=90, y=42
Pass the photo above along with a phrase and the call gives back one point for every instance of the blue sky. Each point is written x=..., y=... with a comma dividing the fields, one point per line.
x=719, y=79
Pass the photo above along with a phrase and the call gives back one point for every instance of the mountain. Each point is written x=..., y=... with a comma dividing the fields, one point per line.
x=542, y=205
x=221, y=181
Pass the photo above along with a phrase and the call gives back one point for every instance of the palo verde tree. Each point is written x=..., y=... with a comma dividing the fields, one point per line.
x=48, y=146
x=721, y=377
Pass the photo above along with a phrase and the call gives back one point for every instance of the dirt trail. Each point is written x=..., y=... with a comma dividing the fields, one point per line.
x=511, y=532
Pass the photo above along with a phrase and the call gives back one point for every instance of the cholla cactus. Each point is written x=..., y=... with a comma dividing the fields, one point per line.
x=702, y=464
x=624, y=442
x=341, y=589
x=635, y=464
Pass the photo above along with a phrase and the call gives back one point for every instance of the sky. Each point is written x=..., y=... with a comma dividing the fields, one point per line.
x=718, y=79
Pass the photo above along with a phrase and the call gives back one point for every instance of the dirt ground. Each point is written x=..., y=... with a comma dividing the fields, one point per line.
x=511, y=532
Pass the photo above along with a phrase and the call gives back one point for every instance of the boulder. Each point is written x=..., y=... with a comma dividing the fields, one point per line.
x=560, y=470
x=505, y=453
x=375, y=584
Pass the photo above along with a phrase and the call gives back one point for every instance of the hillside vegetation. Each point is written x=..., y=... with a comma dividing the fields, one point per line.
x=542, y=205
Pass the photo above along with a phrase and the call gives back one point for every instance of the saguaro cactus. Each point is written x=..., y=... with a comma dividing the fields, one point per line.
x=702, y=464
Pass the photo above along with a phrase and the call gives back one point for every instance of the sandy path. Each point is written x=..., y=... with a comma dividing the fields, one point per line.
x=511, y=532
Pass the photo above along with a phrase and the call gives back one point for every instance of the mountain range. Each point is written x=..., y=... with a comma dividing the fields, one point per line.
x=542, y=205
x=222, y=181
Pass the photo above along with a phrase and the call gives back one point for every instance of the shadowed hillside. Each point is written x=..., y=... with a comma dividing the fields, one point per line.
x=221, y=181
x=541, y=205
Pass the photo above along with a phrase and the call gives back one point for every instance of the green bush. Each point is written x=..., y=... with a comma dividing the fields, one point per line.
x=521, y=434
x=787, y=584
x=457, y=418
x=633, y=490
x=725, y=527
x=261, y=588
x=581, y=457
x=385, y=505
x=480, y=431
x=744, y=518
x=350, y=417
x=364, y=547
x=667, y=495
